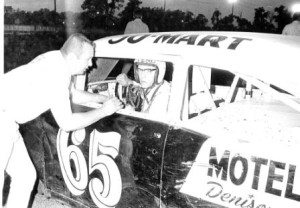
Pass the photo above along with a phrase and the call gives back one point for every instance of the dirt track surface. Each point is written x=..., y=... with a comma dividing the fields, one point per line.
x=41, y=201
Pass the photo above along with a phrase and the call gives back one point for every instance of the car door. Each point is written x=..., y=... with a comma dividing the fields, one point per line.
x=138, y=159
x=144, y=153
x=183, y=143
x=114, y=162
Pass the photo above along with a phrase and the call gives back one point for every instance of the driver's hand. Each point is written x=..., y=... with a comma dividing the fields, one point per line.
x=123, y=79
x=129, y=107
x=112, y=105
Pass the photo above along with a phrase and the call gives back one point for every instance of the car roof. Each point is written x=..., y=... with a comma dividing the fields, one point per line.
x=270, y=58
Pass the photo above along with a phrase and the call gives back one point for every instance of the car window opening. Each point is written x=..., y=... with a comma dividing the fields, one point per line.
x=210, y=88
x=103, y=80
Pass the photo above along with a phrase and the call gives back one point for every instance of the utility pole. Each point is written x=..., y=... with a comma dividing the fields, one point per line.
x=55, y=5
x=164, y=5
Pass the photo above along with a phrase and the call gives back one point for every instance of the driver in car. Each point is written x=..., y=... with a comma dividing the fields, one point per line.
x=149, y=87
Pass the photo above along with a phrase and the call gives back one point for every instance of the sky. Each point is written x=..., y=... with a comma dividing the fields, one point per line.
x=206, y=7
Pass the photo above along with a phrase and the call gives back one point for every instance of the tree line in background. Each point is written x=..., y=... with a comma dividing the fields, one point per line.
x=112, y=15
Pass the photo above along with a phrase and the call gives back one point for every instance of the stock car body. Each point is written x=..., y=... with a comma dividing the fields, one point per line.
x=230, y=136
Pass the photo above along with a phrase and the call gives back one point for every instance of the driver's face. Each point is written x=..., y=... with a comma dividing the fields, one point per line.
x=146, y=75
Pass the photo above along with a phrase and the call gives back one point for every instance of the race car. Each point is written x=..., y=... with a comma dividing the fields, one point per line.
x=230, y=136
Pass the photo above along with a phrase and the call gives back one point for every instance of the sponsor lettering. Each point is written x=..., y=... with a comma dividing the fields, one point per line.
x=216, y=190
x=225, y=170
x=192, y=39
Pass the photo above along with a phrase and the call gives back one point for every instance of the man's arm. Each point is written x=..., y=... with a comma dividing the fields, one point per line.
x=80, y=97
x=284, y=31
x=69, y=121
x=129, y=28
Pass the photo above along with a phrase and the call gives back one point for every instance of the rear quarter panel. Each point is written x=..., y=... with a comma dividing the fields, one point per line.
x=181, y=149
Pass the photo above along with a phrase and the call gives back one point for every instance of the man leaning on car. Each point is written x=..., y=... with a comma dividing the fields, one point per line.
x=31, y=89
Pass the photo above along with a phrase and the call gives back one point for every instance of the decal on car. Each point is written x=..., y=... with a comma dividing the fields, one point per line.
x=236, y=174
x=77, y=174
x=213, y=40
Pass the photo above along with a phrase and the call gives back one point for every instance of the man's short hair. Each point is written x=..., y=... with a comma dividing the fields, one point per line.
x=75, y=44
x=296, y=16
x=137, y=13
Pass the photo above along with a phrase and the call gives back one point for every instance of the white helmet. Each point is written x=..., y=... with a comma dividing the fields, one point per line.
x=159, y=65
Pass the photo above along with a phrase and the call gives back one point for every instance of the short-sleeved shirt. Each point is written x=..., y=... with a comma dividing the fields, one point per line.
x=292, y=28
x=136, y=26
x=36, y=87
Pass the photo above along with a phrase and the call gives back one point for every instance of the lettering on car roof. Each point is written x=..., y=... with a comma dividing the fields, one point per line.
x=212, y=40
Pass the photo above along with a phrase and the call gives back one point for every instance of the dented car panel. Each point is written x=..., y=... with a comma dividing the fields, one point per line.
x=229, y=138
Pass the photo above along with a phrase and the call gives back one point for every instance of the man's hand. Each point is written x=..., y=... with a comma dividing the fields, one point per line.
x=112, y=105
x=123, y=80
x=129, y=107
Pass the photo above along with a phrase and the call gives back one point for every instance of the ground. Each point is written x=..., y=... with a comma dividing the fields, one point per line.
x=42, y=201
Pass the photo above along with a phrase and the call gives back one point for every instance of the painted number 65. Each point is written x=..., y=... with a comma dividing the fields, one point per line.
x=105, y=193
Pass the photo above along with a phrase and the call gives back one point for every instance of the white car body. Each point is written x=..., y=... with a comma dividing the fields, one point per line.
x=257, y=125
x=230, y=136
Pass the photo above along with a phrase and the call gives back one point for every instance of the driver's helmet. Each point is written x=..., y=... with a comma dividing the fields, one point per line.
x=159, y=65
